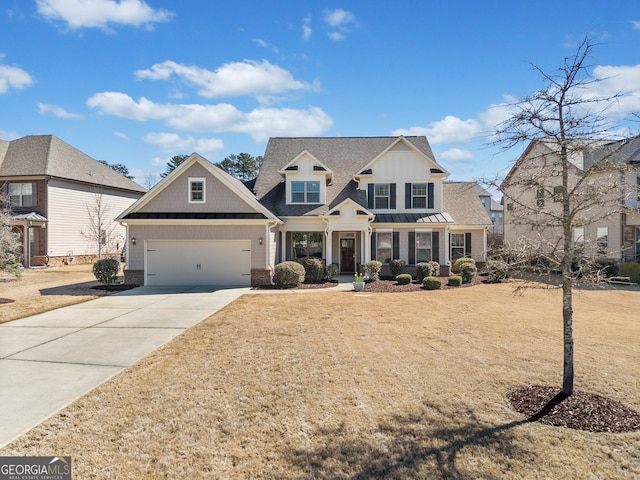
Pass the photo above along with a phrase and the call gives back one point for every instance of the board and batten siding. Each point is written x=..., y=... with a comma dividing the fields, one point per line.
x=68, y=215
x=197, y=232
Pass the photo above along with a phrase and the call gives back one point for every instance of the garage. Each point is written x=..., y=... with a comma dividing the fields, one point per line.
x=194, y=262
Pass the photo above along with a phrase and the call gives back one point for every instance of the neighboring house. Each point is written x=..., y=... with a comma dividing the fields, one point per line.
x=493, y=208
x=52, y=188
x=609, y=229
x=343, y=200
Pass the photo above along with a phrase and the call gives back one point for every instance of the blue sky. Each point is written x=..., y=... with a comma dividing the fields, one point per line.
x=136, y=82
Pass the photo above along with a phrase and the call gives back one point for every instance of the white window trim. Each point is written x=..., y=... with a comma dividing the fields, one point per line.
x=306, y=192
x=193, y=180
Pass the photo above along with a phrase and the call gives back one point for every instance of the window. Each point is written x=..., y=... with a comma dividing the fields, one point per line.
x=457, y=245
x=558, y=193
x=602, y=240
x=305, y=192
x=21, y=194
x=638, y=188
x=509, y=207
x=384, y=246
x=423, y=247
x=578, y=235
x=306, y=244
x=381, y=195
x=419, y=195
x=196, y=190
x=540, y=198
x=637, y=243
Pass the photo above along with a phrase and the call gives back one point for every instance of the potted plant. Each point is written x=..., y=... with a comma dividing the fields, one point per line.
x=358, y=283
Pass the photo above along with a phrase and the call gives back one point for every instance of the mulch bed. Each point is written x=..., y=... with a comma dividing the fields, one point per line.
x=580, y=411
x=6, y=300
x=379, y=286
x=119, y=287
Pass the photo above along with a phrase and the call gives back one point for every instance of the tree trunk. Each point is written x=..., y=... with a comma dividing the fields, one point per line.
x=567, y=320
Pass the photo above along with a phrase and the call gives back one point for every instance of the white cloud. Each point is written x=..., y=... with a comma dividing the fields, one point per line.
x=448, y=130
x=56, y=111
x=260, y=123
x=340, y=21
x=306, y=29
x=614, y=80
x=13, y=77
x=456, y=155
x=636, y=24
x=232, y=79
x=101, y=13
x=8, y=135
x=121, y=135
x=175, y=144
x=264, y=44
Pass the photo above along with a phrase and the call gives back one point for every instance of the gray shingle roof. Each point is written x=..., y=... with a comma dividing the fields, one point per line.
x=47, y=155
x=345, y=156
x=462, y=202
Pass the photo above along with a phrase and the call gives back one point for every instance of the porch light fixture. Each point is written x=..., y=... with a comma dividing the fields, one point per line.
x=260, y=240
x=133, y=240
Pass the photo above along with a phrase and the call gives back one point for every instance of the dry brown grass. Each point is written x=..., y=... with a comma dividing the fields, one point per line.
x=343, y=386
x=45, y=289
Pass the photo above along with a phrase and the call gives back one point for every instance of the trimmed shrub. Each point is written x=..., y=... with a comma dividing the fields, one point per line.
x=455, y=281
x=288, y=274
x=497, y=270
x=631, y=270
x=396, y=266
x=423, y=270
x=404, y=279
x=313, y=270
x=331, y=271
x=372, y=270
x=106, y=270
x=468, y=271
x=458, y=262
x=431, y=283
x=435, y=268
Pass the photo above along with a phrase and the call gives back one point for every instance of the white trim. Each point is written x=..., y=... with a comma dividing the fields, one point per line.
x=193, y=180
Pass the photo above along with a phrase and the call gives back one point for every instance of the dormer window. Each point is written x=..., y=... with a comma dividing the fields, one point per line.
x=196, y=190
x=305, y=192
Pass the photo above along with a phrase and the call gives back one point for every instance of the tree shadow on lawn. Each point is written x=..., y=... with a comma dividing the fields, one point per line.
x=413, y=445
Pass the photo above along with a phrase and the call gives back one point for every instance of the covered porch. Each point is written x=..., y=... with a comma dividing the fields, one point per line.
x=31, y=228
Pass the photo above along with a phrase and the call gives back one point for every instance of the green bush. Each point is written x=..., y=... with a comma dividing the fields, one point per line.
x=423, y=270
x=106, y=270
x=435, y=268
x=404, y=279
x=313, y=269
x=468, y=271
x=497, y=270
x=455, y=281
x=372, y=270
x=458, y=262
x=397, y=267
x=288, y=274
x=631, y=270
x=331, y=271
x=431, y=283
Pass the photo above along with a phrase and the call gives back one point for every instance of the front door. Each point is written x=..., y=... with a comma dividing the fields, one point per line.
x=347, y=255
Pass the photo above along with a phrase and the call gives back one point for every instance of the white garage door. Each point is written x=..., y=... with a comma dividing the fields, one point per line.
x=224, y=262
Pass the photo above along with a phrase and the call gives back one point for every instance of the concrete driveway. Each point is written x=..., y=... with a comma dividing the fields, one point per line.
x=49, y=360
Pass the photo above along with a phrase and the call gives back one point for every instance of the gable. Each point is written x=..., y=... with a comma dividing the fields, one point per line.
x=218, y=196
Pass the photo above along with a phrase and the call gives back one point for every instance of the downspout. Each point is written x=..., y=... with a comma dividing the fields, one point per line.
x=271, y=224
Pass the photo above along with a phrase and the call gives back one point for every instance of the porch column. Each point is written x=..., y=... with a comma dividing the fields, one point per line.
x=328, y=254
x=366, y=248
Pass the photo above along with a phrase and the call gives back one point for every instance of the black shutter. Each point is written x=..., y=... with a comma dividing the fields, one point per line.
x=467, y=244
x=396, y=245
x=412, y=246
x=392, y=195
x=373, y=245
x=430, y=195
x=370, y=195
x=435, y=246
x=407, y=196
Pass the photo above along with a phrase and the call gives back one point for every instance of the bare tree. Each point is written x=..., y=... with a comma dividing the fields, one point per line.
x=101, y=229
x=9, y=240
x=569, y=177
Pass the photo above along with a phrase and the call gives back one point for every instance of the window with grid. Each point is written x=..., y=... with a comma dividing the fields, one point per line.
x=196, y=190
x=457, y=245
x=306, y=244
x=423, y=247
x=602, y=240
x=381, y=195
x=540, y=198
x=305, y=192
x=419, y=195
x=21, y=194
x=384, y=246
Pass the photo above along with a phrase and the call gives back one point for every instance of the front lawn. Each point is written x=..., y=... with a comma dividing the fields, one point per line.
x=344, y=385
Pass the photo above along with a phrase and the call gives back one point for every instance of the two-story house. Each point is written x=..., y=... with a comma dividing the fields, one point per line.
x=54, y=190
x=343, y=200
x=606, y=207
